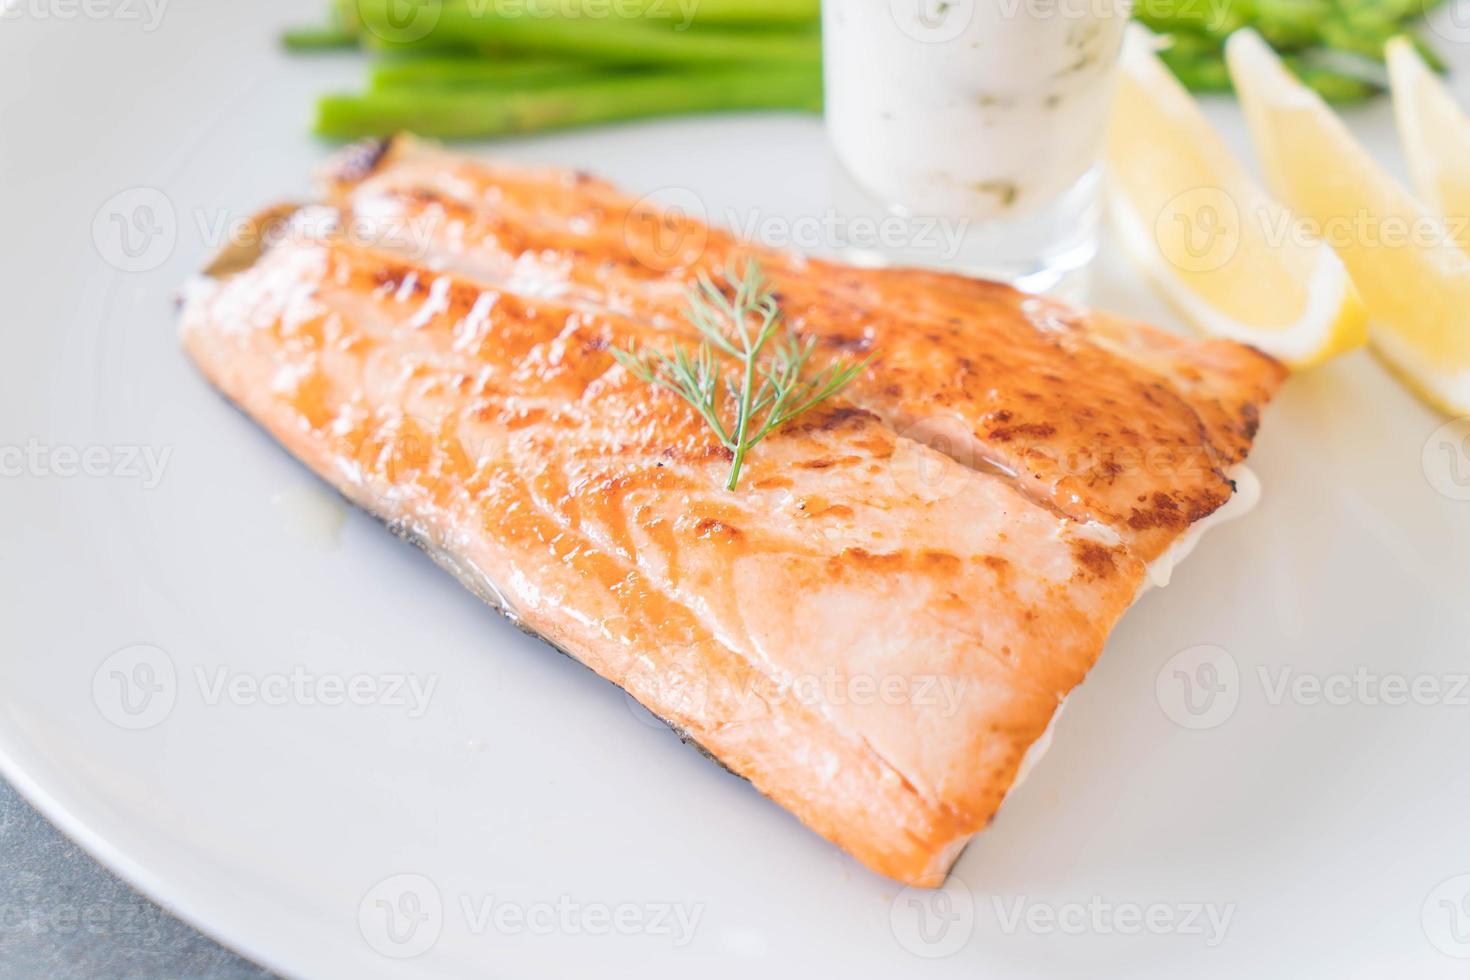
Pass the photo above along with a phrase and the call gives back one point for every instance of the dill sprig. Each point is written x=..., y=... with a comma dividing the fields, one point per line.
x=769, y=384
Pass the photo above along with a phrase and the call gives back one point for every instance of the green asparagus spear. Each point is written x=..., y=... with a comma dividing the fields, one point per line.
x=436, y=24
x=471, y=113
x=317, y=38
x=1426, y=51
x=1364, y=37
x=1213, y=17
x=1334, y=86
x=682, y=13
x=1287, y=24
x=1198, y=61
x=446, y=72
x=759, y=12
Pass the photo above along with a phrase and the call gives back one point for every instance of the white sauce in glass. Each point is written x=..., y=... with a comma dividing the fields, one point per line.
x=976, y=108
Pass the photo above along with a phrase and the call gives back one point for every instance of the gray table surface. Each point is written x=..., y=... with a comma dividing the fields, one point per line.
x=63, y=916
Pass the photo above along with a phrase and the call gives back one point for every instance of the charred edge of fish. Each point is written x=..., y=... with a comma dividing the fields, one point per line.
x=479, y=584
x=244, y=250
x=358, y=161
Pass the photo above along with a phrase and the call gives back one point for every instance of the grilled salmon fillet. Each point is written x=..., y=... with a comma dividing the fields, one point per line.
x=877, y=625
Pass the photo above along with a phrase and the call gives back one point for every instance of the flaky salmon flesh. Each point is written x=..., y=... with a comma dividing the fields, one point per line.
x=882, y=618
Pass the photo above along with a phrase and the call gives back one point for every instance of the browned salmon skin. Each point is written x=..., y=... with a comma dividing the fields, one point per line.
x=873, y=631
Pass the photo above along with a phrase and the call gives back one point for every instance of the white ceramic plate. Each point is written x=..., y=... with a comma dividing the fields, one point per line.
x=533, y=821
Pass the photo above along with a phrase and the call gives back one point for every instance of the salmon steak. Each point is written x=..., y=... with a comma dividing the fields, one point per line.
x=878, y=624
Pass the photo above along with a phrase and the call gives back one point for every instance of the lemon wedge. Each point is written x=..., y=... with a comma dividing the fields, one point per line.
x=1435, y=134
x=1229, y=258
x=1413, y=277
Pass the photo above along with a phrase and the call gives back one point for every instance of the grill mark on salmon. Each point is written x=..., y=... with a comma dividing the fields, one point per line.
x=480, y=415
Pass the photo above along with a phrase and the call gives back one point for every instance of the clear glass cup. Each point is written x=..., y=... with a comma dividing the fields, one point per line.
x=979, y=123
